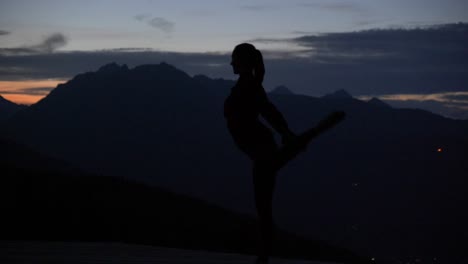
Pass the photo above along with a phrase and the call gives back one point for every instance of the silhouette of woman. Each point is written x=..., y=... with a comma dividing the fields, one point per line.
x=242, y=109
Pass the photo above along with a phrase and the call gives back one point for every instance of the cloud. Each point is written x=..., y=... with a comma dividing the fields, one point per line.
x=451, y=98
x=271, y=40
x=256, y=7
x=458, y=97
x=162, y=24
x=50, y=44
x=29, y=91
x=4, y=32
x=339, y=6
x=380, y=61
x=445, y=45
x=142, y=17
x=456, y=111
x=449, y=104
x=156, y=22
x=446, y=42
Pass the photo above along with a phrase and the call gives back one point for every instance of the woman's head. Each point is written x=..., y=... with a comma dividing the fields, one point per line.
x=246, y=59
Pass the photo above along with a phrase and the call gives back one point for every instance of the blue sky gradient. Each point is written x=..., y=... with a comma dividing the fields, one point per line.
x=202, y=26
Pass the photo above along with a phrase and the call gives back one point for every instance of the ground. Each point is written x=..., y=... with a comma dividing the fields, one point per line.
x=25, y=252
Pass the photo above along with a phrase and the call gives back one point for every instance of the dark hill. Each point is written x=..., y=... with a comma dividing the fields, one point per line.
x=19, y=156
x=376, y=183
x=49, y=203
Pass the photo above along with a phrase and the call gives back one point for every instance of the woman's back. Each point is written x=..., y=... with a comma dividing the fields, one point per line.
x=245, y=101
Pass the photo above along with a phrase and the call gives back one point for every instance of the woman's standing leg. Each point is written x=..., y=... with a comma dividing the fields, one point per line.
x=260, y=145
x=264, y=179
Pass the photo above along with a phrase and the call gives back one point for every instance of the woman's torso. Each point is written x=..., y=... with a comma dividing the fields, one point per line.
x=241, y=110
x=242, y=106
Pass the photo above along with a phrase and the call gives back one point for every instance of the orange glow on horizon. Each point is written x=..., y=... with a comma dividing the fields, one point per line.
x=24, y=99
x=438, y=97
x=16, y=85
x=439, y=150
x=16, y=91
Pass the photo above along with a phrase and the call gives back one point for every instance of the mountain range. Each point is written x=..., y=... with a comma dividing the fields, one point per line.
x=385, y=182
x=8, y=108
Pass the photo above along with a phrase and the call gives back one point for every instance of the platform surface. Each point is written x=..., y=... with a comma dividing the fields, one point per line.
x=29, y=252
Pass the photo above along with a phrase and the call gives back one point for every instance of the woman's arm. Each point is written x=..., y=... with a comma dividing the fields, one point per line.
x=274, y=117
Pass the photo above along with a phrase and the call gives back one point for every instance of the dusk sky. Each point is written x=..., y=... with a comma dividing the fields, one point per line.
x=46, y=42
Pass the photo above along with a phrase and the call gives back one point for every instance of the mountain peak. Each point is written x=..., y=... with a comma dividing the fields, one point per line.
x=377, y=102
x=340, y=94
x=112, y=67
x=281, y=90
x=161, y=68
x=152, y=67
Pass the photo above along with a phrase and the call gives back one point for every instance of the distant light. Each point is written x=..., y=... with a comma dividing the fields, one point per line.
x=439, y=150
x=355, y=184
x=373, y=259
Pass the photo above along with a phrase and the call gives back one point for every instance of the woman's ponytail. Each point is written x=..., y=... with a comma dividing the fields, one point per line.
x=259, y=67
